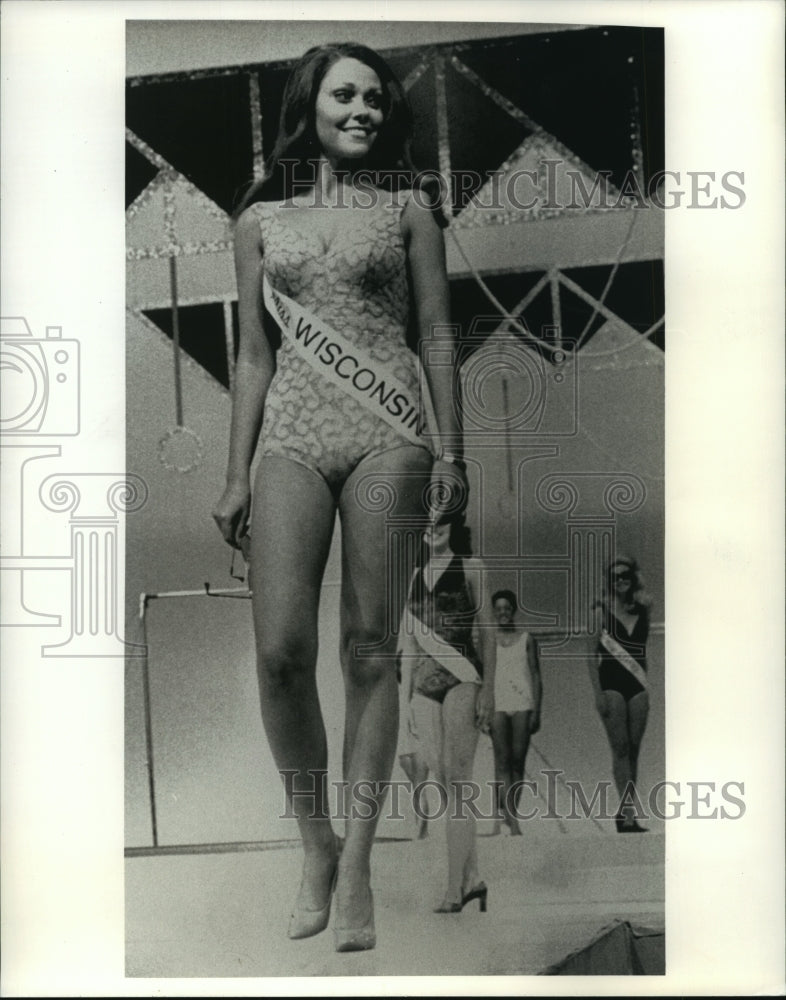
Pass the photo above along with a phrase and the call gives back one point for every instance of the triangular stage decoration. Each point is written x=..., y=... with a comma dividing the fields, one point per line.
x=172, y=211
x=618, y=950
x=540, y=179
x=618, y=346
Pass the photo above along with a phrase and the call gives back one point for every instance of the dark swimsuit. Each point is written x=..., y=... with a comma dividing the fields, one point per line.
x=612, y=674
x=449, y=611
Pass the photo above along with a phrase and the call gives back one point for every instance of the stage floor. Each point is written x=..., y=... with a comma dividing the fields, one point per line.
x=224, y=914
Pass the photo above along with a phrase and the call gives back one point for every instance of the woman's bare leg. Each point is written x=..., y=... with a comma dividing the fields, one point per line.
x=503, y=753
x=638, y=710
x=520, y=727
x=373, y=589
x=460, y=743
x=616, y=724
x=416, y=770
x=289, y=547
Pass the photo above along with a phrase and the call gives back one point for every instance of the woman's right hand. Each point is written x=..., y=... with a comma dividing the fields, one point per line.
x=232, y=511
x=448, y=488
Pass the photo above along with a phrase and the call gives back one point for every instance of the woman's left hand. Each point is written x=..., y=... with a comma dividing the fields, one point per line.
x=484, y=708
x=448, y=488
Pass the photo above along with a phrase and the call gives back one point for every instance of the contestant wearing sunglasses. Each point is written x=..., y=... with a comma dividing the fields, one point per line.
x=618, y=673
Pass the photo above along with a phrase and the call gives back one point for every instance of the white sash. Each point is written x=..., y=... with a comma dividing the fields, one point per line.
x=623, y=656
x=446, y=656
x=366, y=379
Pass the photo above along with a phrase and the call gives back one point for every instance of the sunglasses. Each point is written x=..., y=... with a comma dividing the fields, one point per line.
x=622, y=576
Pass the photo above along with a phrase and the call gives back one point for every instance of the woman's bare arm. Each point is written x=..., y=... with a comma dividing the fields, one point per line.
x=431, y=293
x=254, y=370
x=487, y=648
x=593, y=662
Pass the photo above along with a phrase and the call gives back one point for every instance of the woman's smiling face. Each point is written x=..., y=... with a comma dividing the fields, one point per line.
x=349, y=110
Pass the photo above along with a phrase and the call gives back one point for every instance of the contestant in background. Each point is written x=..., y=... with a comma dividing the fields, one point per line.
x=618, y=674
x=518, y=692
x=323, y=243
x=448, y=590
x=417, y=753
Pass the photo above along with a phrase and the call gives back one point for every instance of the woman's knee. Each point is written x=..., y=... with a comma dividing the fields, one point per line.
x=458, y=768
x=368, y=655
x=284, y=662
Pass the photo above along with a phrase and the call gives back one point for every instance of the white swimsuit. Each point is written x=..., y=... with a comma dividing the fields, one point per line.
x=512, y=680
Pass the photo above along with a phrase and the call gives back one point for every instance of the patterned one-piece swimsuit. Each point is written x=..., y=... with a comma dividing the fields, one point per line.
x=358, y=286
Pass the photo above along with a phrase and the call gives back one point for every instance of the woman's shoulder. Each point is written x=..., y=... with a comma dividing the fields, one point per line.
x=249, y=219
x=247, y=233
x=260, y=209
x=253, y=223
x=421, y=208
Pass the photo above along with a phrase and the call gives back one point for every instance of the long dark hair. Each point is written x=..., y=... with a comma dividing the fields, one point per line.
x=297, y=144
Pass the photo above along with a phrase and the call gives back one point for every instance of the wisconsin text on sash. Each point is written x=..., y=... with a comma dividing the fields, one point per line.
x=366, y=376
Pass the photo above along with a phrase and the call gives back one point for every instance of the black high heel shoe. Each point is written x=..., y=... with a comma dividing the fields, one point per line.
x=628, y=825
x=481, y=893
x=448, y=908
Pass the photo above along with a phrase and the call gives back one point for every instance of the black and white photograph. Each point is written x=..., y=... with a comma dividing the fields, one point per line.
x=396, y=325
x=409, y=561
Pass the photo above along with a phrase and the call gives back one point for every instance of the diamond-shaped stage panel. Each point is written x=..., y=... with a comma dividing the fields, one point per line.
x=196, y=220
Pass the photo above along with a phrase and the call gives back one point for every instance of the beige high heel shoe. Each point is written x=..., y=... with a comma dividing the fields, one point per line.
x=306, y=923
x=362, y=938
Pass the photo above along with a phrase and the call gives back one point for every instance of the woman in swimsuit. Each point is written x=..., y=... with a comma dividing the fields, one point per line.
x=337, y=257
x=618, y=677
x=441, y=663
x=517, y=697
